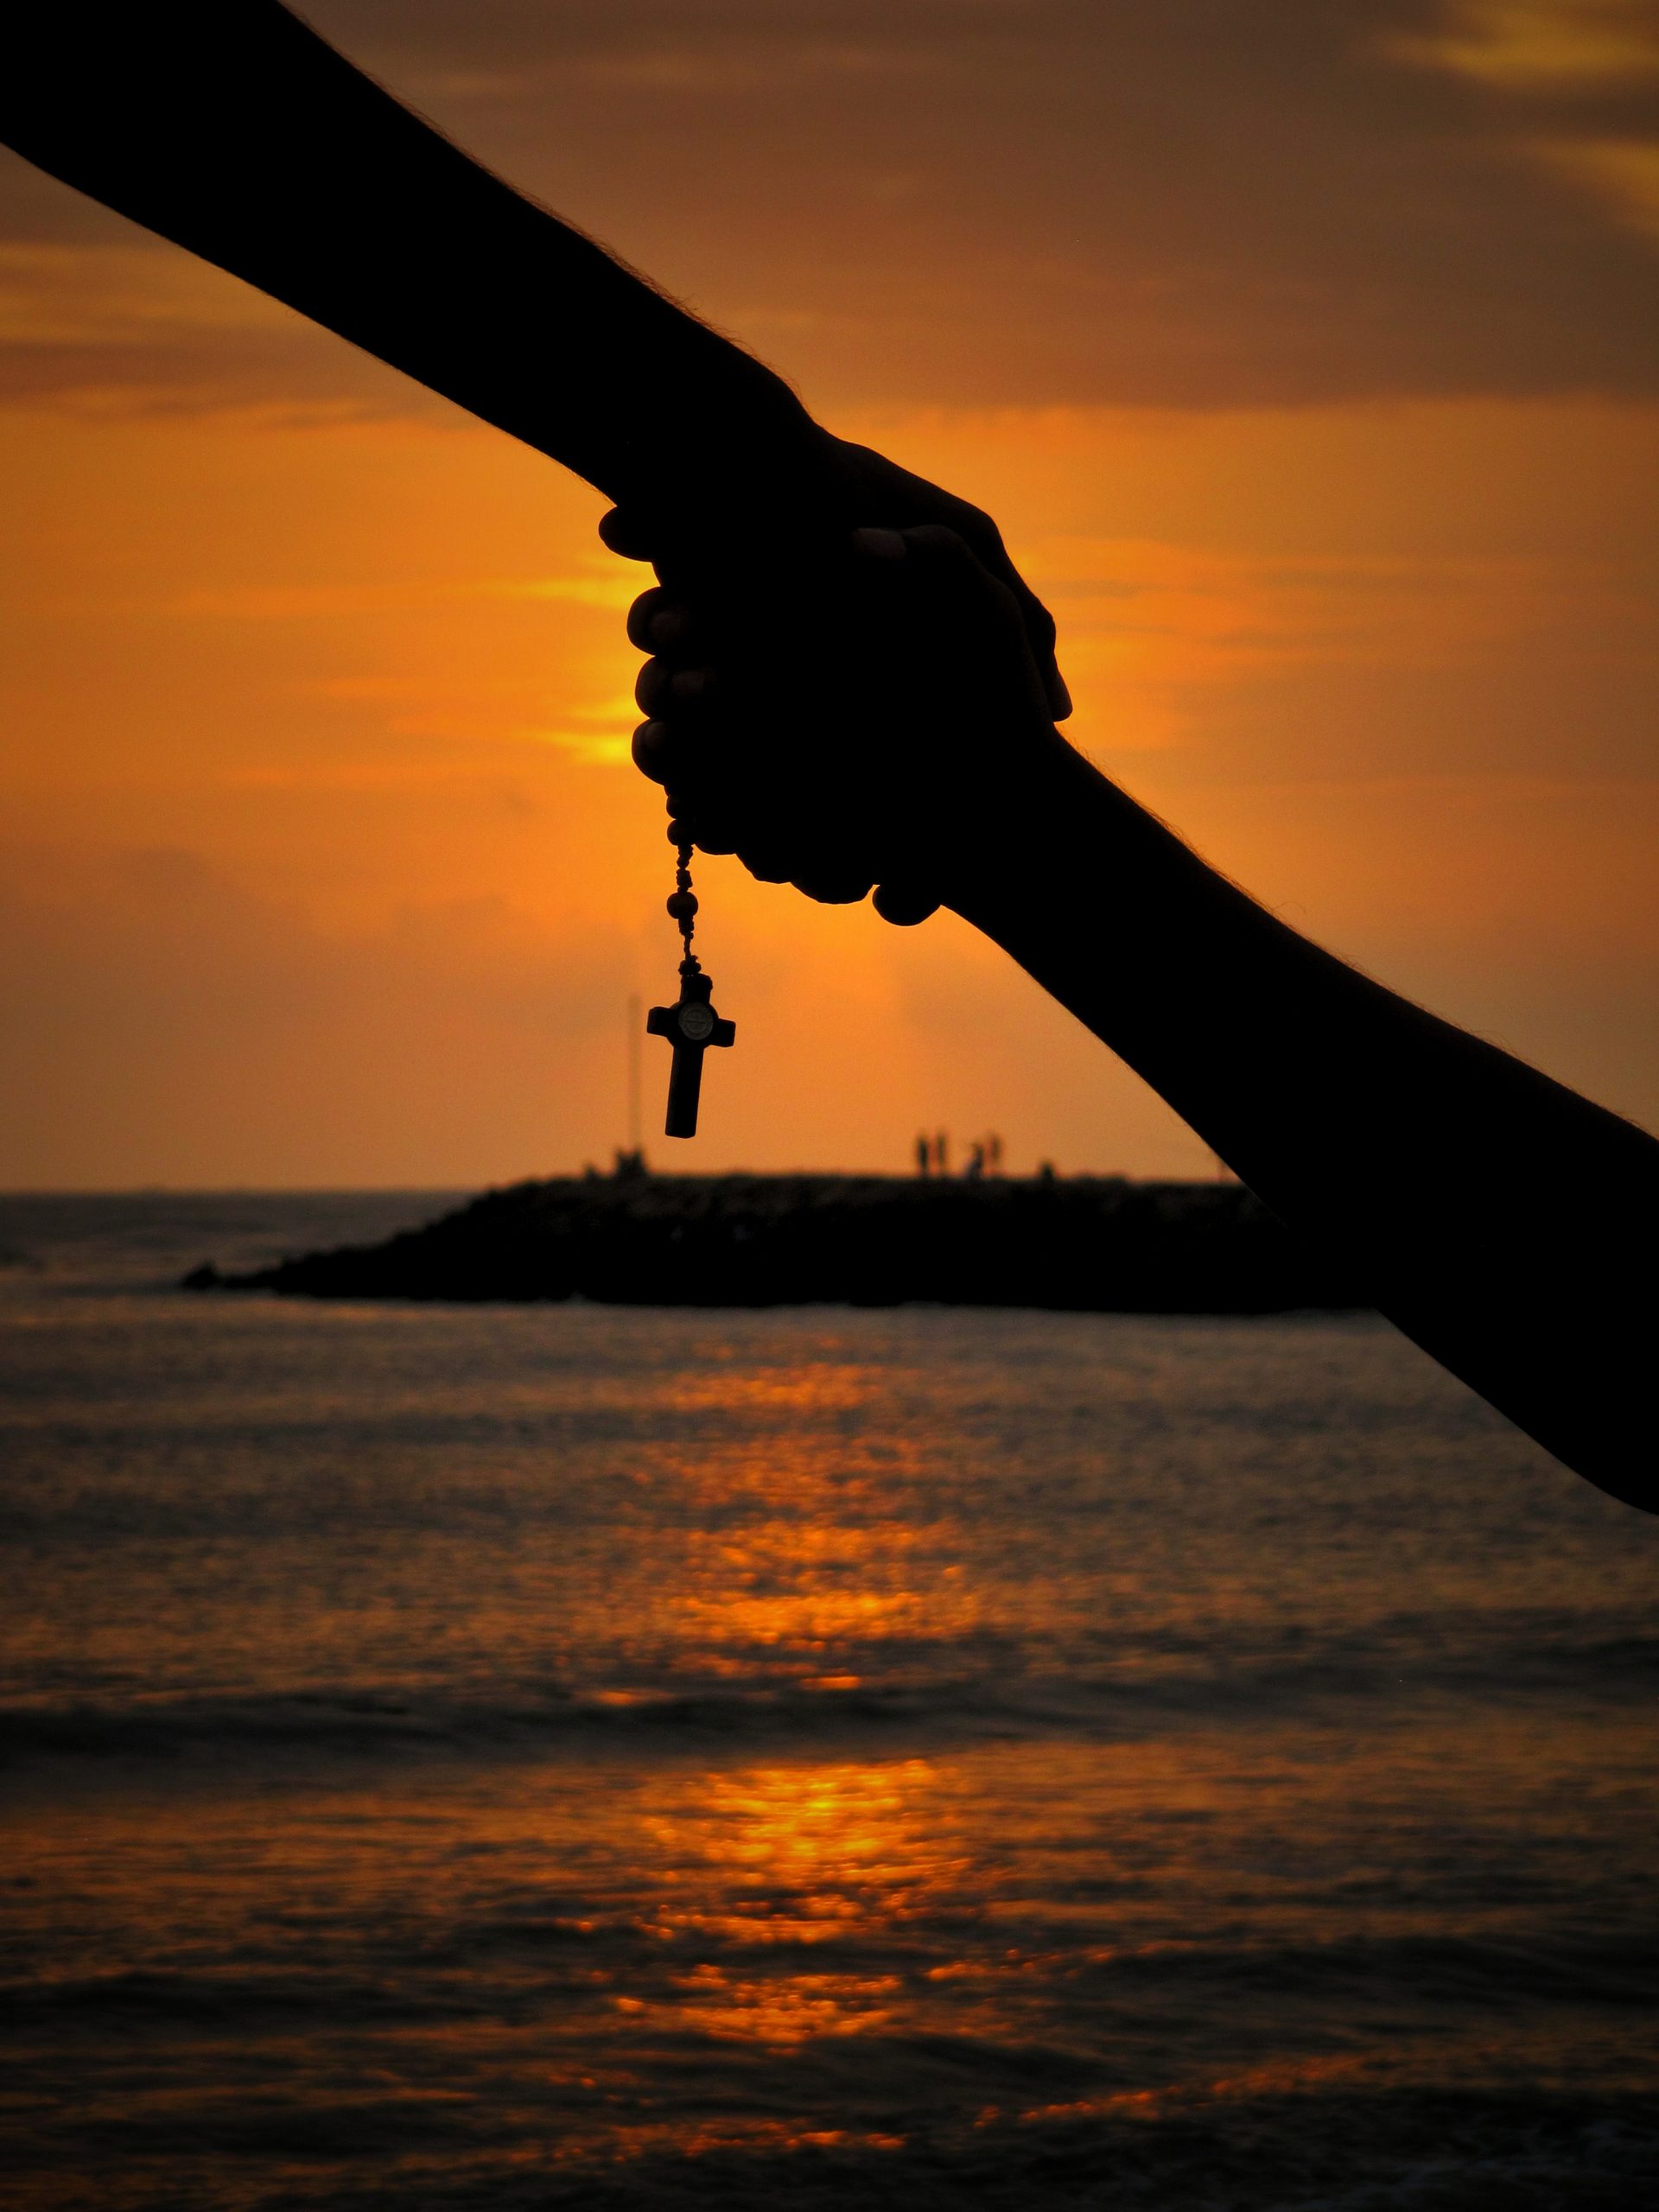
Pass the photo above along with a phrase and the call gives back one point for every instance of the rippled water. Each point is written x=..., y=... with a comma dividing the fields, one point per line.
x=567, y=1755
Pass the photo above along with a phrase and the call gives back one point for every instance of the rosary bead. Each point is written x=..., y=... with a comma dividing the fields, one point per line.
x=682, y=904
x=679, y=834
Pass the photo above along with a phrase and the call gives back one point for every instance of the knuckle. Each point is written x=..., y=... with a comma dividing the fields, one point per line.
x=648, y=748
x=642, y=614
x=980, y=530
x=670, y=626
x=649, y=686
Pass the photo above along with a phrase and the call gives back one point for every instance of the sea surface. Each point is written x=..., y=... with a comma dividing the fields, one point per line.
x=562, y=1756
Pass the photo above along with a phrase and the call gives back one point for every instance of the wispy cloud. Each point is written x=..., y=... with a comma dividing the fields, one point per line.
x=1528, y=46
x=1623, y=174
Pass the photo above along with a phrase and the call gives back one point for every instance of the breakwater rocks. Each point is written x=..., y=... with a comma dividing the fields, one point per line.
x=1089, y=1244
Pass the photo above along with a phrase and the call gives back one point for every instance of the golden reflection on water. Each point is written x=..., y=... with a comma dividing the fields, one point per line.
x=785, y=1856
x=812, y=1577
x=763, y=1633
x=819, y=1565
x=760, y=1784
x=646, y=1929
x=814, y=1563
x=805, y=1386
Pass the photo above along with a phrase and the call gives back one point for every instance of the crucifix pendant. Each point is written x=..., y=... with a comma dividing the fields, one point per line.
x=691, y=1026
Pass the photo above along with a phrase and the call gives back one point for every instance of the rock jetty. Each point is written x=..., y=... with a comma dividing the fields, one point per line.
x=1090, y=1244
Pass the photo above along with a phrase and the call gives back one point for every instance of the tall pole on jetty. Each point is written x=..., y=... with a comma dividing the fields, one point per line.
x=636, y=1016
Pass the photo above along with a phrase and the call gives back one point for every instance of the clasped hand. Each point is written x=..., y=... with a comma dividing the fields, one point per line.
x=869, y=721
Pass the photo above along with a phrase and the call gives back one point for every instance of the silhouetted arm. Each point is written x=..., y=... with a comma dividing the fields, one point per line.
x=1505, y=1223
x=230, y=128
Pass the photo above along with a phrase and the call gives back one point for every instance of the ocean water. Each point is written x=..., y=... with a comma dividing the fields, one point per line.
x=571, y=1757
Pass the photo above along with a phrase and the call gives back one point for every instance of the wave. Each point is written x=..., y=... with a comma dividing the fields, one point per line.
x=1138, y=1691
x=1342, y=2144
x=368, y=1720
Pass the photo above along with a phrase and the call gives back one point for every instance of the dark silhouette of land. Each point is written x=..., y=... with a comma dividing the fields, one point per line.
x=1089, y=1244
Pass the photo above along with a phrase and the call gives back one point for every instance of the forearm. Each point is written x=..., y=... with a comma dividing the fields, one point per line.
x=1490, y=1211
x=296, y=172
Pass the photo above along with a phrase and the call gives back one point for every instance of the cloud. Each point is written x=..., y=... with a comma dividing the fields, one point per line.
x=1528, y=45
x=1172, y=203
x=1622, y=173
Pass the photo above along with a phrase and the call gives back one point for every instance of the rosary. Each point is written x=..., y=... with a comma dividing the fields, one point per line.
x=691, y=1026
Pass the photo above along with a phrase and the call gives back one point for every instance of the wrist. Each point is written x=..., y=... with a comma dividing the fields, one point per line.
x=1050, y=818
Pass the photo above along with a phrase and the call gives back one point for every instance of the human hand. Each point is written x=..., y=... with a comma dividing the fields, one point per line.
x=881, y=720
x=856, y=488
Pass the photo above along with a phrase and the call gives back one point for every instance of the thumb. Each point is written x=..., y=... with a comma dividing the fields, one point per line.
x=944, y=551
x=938, y=561
x=931, y=581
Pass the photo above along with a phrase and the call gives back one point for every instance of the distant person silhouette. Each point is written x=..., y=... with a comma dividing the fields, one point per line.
x=884, y=715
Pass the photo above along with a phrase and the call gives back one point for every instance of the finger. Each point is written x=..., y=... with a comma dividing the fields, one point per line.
x=904, y=904
x=687, y=761
x=689, y=688
x=674, y=628
x=880, y=544
x=650, y=686
x=961, y=584
x=931, y=546
x=984, y=541
x=700, y=800
x=641, y=615
x=939, y=561
x=1042, y=635
x=661, y=689
x=652, y=748
x=765, y=862
x=660, y=623
x=939, y=547
x=628, y=532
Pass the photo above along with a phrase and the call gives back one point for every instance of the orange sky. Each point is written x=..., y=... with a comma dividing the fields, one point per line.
x=1311, y=375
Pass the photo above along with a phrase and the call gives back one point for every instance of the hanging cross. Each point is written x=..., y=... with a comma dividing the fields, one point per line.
x=691, y=1027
